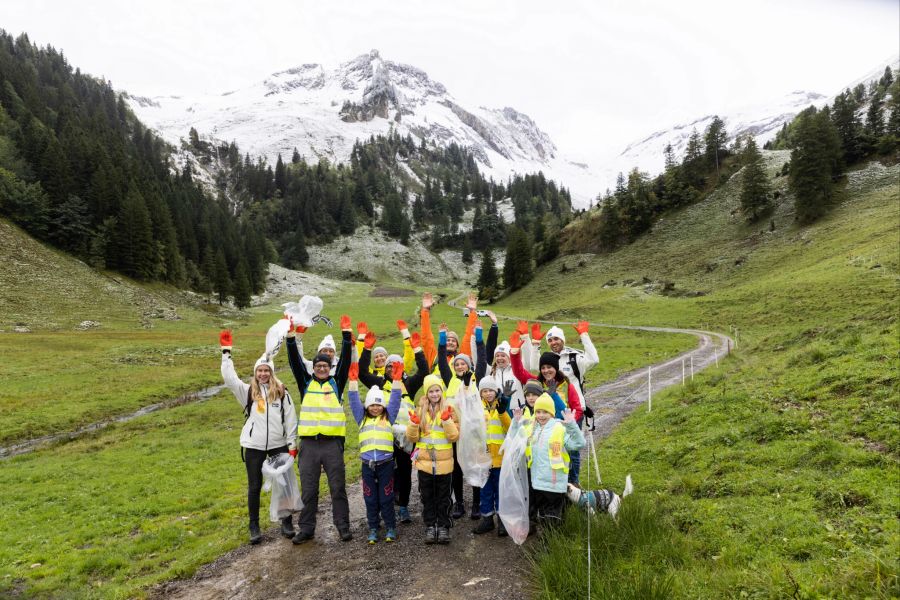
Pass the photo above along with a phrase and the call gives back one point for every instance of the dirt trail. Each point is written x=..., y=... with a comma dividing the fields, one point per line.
x=472, y=567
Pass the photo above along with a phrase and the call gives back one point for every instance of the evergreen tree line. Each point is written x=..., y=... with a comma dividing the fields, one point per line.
x=79, y=171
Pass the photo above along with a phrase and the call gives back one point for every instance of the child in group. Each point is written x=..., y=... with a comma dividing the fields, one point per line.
x=376, y=449
x=548, y=449
x=433, y=428
x=498, y=422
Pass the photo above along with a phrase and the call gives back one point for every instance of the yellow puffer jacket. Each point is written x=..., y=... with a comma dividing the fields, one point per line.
x=443, y=457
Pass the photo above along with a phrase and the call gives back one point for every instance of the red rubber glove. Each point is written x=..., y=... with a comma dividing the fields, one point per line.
x=369, y=342
x=397, y=370
x=353, y=372
x=401, y=324
x=300, y=329
x=362, y=328
x=346, y=323
x=522, y=327
x=414, y=418
x=225, y=338
x=415, y=340
x=447, y=414
x=536, y=331
x=581, y=327
x=293, y=452
x=515, y=342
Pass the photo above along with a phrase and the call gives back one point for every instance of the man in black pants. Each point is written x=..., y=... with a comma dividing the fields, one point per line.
x=321, y=429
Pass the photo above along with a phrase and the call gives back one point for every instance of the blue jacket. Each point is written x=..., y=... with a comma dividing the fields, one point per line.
x=543, y=476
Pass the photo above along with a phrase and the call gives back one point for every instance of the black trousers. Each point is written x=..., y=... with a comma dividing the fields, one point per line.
x=402, y=476
x=434, y=491
x=459, y=480
x=253, y=460
x=549, y=506
x=314, y=455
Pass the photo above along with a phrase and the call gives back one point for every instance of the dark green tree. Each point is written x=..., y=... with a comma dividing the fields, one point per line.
x=488, y=284
x=754, y=183
x=517, y=269
x=221, y=277
x=467, y=250
x=242, y=291
x=815, y=163
x=133, y=248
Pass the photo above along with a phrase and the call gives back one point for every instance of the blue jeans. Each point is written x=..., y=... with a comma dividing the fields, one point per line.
x=575, y=459
x=490, y=493
x=378, y=492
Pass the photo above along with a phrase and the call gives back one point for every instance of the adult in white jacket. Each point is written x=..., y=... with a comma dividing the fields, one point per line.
x=580, y=361
x=270, y=427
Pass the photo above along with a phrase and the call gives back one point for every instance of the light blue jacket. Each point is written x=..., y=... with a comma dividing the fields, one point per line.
x=543, y=477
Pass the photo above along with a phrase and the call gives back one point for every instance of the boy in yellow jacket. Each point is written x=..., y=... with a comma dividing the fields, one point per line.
x=497, y=418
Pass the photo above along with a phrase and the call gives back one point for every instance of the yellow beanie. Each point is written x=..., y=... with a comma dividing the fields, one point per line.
x=545, y=402
x=431, y=380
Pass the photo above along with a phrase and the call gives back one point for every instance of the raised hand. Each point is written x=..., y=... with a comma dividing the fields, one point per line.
x=300, y=329
x=414, y=418
x=522, y=327
x=443, y=327
x=225, y=338
x=536, y=331
x=508, y=388
x=447, y=414
x=517, y=414
x=353, y=373
x=568, y=416
x=415, y=340
x=515, y=342
x=397, y=370
x=401, y=325
x=346, y=323
x=369, y=341
x=472, y=301
x=581, y=327
x=492, y=316
x=427, y=301
x=362, y=328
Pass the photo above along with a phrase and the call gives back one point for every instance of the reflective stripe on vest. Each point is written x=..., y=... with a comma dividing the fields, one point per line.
x=559, y=461
x=321, y=411
x=406, y=404
x=436, y=438
x=495, y=433
x=376, y=434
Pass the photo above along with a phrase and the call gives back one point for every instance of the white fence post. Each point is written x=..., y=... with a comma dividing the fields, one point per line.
x=682, y=372
x=692, y=367
x=649, y=390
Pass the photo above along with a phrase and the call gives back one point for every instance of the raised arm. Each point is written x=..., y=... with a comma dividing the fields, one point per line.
x=589, y=358
x=427, y=335
x=472, y=305
x=393, y=406
x=493, y=334
x=481, y=361
x=368, y=378
x=414, y=381
x=229, y=375
x=343, y=366
x=443, y=367
x=297, y=364
x=515, y=360
x=356, y=407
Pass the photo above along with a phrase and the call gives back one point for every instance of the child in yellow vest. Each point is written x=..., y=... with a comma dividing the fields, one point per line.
x=433, y=428
x=498, y=421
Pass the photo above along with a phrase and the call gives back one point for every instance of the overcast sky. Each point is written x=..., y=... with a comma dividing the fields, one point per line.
x=595, y=75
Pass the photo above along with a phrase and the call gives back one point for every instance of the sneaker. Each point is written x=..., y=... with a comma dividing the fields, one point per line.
x=302, y=536
x=431, y=535
x=443, y=535
x=346, y=536
x=390, y=535
x=476, y=513
x=255, y=534
x=404, y=515
x=287, y=527
x=459, y=509
x=373, y=536
x=501, y=530
x=487, y=524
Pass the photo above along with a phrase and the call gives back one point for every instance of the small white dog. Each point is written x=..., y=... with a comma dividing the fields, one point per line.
x=599, y=500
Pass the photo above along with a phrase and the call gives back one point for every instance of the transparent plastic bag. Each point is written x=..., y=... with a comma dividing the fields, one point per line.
x=275, y=337
x=280, y=478
x=513, y=487
x=305, y=311
x=471, y=449
x=399, y=430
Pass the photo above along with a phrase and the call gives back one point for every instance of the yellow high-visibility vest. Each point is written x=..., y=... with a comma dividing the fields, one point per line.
x=375, y=434
x=559, y=457
x=321, y=411
x=436, y=438
x=495, y=433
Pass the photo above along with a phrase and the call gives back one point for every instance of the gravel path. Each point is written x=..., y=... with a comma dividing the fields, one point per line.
x=472, y=567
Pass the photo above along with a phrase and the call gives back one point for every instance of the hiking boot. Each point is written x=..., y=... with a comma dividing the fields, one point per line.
x=345, y=534
x=390, y=535
x=476, y=512
x=431, y=534
x=501, y=530
x=255, y=534
x=459, y=509
x=287, y=527
x=373, y=536
x=443, y=535
x=404, y=515
x=487, y=524
x=302, y=536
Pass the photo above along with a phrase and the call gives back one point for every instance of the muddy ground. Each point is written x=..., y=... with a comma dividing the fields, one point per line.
x=472, y=567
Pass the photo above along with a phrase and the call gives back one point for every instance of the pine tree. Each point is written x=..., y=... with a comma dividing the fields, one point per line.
x=242, y=291
x=280, y=176
x=295, y=157
x=488, y=285
x=754, y=184
x=815, y=162
x=875, y=118
x=517, y=269
x=844, y=115
x=716, y=139
x=221, y=278
x=133, y=249
x=467, y=250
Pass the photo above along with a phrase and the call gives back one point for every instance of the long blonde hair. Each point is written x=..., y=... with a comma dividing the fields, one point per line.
x=423, y=411
x=272, y=394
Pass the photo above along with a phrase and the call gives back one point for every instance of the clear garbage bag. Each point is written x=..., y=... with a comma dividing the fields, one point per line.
x=305, y=311
x=275, y=337
x=471, y=449
x=279, y=477
x=399, y=430
x=513, y=488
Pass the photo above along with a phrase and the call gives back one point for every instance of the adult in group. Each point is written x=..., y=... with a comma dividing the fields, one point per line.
x=580, y=361
x=321, y=430
x=269, y=427
x=454, y=344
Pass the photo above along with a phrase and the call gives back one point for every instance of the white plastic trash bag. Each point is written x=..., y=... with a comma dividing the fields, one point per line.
x=280, y=478
x=513, y=493
x=399, y=430
x=471, y=449
x=305, y=311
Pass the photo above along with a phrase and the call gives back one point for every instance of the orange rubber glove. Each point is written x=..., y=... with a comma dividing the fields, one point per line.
x=346, y=323
x=536, y=331
x=225, y=338
x=581, y=327
x=415, y=340
x=413, y=417
x=353, y=372
x=447, y=414
x=369, y=342
x=522, y=327
x=362, y=328
x=397, y=370
x=515, y=342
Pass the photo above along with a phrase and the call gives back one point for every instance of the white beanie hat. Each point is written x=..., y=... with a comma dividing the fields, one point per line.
x=379, y=350
x=502, y=347
x=488, y=383
x=327, y=342
x=263, y=361
x=374, y=396
x=392, y=358
x=556, y=332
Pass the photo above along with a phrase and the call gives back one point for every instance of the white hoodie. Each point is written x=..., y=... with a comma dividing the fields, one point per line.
x=262, y=430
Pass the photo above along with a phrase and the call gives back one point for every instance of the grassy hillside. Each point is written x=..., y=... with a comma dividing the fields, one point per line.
x=779, y=475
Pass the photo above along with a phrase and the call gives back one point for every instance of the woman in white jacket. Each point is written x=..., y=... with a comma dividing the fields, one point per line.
x=270, y=427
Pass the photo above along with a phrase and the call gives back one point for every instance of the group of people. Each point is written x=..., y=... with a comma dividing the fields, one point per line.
x=520, y=387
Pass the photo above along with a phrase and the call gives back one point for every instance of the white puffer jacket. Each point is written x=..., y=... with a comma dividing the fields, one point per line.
x=504, y=375
x=262, y=430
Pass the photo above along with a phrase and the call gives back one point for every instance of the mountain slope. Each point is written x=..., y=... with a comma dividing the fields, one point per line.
x=322, y=112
